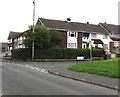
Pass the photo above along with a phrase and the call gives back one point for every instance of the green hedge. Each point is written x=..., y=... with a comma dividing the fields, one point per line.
x=23, y=54
x=49, y=54
x=98, y=53
x=118, y=55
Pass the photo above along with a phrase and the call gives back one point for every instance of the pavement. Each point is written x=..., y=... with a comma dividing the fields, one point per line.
x=85, y=77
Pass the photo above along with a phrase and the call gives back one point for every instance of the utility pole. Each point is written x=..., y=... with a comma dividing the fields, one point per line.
x=90, y=50
x=33, y=30
x=90, y=47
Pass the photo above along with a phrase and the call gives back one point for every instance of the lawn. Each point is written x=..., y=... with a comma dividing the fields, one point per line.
x=107, y=68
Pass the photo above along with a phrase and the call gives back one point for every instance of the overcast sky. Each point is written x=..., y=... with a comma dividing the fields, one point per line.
x=16, y=15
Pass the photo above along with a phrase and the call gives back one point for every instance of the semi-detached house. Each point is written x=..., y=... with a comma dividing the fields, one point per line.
x=15, y=40
x=78, y=35
x=114, y=33
x=74, y=34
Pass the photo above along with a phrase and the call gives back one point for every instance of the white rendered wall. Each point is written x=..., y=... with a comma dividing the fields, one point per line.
x=71, y=39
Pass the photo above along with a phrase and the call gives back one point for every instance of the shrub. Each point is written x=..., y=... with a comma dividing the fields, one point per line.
x=49, y=54
x=83, y=52
x=66, y=53
x=21, y=54
x=69, y=53
x=98, y=53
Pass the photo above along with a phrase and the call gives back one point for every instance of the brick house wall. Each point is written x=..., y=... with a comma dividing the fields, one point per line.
x=111, y=46
x=79, y=40
x=64, y=39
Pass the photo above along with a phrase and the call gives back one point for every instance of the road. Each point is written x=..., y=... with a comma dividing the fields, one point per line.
x=32, y=78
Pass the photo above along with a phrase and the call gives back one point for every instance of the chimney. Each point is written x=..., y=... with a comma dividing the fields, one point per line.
x=68, y=20
x=87, y=22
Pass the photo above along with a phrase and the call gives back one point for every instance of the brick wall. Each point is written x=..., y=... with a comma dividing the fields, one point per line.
x=79, y=40
x=111, y=46
x=64, y=39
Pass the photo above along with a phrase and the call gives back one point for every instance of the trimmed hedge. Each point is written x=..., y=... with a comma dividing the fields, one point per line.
x=21, y=54
x=49, y=54
x=66, y=53
x=98, y=53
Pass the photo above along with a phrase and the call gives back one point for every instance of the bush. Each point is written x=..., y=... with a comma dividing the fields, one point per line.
x=83, y=52
x=49, y=54
x=69, y=53
x=66, y=53
x=21, y=54
x=118, y=55
x=98, y=53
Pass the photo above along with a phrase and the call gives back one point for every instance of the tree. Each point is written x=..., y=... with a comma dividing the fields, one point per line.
x=43, y=38
x=56, y=39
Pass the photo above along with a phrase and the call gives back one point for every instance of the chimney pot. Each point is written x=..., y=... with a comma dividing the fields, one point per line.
x=87, y=22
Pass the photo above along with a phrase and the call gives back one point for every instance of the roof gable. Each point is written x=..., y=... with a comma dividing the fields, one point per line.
x=111, y=28
x=14, y=35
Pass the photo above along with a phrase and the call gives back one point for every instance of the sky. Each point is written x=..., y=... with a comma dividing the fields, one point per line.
x=17, y=15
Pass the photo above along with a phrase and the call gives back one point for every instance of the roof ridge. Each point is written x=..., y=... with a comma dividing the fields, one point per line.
x=69, y=22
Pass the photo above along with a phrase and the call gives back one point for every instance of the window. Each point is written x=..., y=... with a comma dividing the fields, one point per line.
x=93, y=35
x=10, y=41
x=20, y=38
x=116, y=44
x=72, y=34
x=105, y=36
x=15, y=39
x=106, y=47
x=72, y=45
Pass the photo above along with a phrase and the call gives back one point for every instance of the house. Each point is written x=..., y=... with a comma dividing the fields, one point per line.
x=3, y=47
x=114, y=34
x=15, y=40
x=75, y=34
x=78, y=35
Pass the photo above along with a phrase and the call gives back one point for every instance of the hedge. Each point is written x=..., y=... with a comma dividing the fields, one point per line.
x=66, y=53
x=49, y=54
x=21, y=54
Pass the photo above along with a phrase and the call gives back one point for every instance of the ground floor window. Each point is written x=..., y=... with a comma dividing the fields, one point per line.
x=72, y=45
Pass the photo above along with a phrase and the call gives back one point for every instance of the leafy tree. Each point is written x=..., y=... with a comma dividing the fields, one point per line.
x=43, y=38
x=56, y=39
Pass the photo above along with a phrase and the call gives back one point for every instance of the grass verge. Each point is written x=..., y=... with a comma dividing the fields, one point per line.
x=107, y=68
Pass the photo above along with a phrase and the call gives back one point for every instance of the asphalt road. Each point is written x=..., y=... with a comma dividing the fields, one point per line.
x=28, y=78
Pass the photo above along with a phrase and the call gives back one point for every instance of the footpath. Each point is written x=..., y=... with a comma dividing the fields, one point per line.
x=88, y=78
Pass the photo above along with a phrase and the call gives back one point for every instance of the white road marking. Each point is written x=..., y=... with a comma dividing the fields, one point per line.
x=32, y=67
x=35, y=68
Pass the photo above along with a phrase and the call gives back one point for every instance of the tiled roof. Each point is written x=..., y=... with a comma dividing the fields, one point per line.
x=115, y=38
x=111, y=28
x=75, y=26
x=14, y=35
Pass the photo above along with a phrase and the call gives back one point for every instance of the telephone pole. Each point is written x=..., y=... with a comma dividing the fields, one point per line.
x=33, y=31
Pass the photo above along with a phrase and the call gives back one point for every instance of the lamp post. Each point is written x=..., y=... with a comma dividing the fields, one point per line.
x=33, y=30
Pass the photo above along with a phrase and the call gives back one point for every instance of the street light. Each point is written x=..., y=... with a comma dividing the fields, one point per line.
x=33, y=30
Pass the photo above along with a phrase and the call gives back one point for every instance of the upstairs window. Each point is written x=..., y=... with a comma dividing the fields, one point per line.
x=105, y=36
x=93, y=35
x=72, y=34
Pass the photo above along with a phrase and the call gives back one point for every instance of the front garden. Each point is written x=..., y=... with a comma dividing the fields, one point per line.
x=107, y=68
